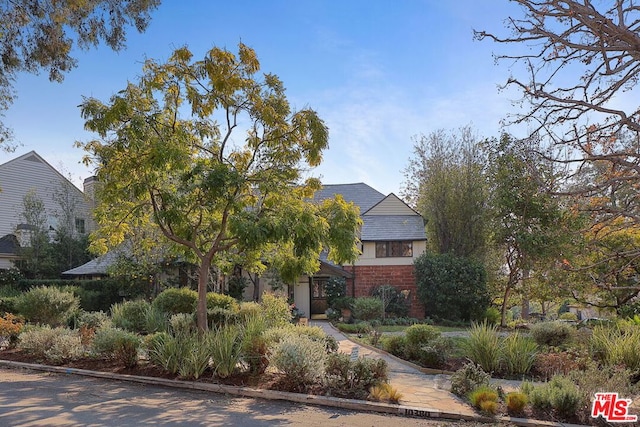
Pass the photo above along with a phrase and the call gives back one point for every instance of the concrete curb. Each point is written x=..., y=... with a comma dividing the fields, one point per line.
x=335, y=402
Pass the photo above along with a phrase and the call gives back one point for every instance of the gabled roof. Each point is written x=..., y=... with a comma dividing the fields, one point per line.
x=392, y=227
x=359, y=193
x=95, y=267
x=32, y=156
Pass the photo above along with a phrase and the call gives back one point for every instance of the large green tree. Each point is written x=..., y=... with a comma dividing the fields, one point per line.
x=529, y=224
x=445, y=181
x=211, y=153
x=40, y=35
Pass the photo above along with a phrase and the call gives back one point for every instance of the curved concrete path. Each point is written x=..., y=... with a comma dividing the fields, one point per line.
x=418, y=389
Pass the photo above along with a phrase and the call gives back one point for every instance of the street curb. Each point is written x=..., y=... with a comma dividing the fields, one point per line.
x=335, y=402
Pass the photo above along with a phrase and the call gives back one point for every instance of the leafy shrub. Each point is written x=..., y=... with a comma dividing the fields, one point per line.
x=484, y=346
x=568, y=316
x=218, y=316
x=394, y=302
x=468, y=378
x=91, y=319
x=485, y=399
x=367, y=308
x=275, y=310
x=236, y=286
x=225, y=347
x=451, y=287
x=344, y=377
x=117, y=344
x=335, y=288
x=167, y=351
x=10, y=327
x=301, y=360
x=552, y=334
x=130, y=315
x=418, y=335
x=176, y=300
x=47, y=305
x=354, y=328
x=516, y=402
x=518, y=354
x=195, y=361
x=559, y=394
x=54, y=345
x=248, y=309
x=492, y=315
x=396, y=345
x=182, y=324
x=8, y=297
x=217, y=300
x=343, y=303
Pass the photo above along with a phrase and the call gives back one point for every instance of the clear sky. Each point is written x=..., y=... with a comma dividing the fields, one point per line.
x=379, y=72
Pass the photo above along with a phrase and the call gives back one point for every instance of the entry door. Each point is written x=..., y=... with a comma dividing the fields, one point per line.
x=318, y=298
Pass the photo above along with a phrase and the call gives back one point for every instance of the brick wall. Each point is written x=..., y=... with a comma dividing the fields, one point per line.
x=400, y=276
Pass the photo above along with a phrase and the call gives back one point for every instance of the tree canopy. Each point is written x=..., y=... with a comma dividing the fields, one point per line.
x=38, y=35
x=171, y=152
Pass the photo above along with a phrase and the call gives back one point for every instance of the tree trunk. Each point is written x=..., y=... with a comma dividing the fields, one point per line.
x=201, y=309
x=525, y=295
x=503, y=316
x=256, y=288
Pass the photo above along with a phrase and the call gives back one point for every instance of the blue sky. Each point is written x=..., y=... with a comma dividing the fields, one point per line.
x=379, y=72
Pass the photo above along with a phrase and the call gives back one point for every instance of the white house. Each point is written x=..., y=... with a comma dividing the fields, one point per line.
x=31, y=173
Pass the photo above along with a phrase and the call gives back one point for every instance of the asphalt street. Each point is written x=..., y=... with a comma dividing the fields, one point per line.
x=30, y=398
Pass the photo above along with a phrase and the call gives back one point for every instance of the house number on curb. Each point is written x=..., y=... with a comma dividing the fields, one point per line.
x=417, y=413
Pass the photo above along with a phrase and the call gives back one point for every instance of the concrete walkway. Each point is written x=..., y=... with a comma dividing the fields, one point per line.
x=418, y=389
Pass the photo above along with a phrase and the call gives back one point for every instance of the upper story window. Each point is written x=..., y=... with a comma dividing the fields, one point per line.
x=394, y=249
x=80, y=228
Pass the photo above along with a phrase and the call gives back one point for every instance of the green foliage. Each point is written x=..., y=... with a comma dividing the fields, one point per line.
x=394, y=302
x=467, y=379
x=418, y=335
x=450, y=287
x=248, y=309
x=226, y=344
x=301, y=360
x=54, y=345
x=47, y=305
x=553, y=334
x=367, y=308
x=255, y=346
x=355, y=328
x=560, y=394
x=616, y=346
x=516, y=402
x=568, y=316
x=236, y=286
x=345, y=377
x=275, y=310
x=8, y=296
x=336, y=287
x=117, y=344
x=163, y=126
x=485, y=399
x=182, y=324
x=484, y=346
x=422, y=344
x=176, y=300
x=130, y=315
x=10, y=277
x=227, y=302
x=155, y=320
x=492, y=315
x=396, y=345
x=90, y=319
x=518, y=354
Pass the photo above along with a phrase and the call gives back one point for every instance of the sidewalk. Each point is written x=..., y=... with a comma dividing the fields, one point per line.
x=419, y=390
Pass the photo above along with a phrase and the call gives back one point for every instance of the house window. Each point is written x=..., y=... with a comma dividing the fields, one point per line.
x=394, y=249
x=80, y=225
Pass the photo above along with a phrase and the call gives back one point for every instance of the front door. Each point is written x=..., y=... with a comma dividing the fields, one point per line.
x=318, y=298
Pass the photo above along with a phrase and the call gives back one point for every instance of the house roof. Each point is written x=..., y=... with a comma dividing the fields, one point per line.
x=359, y=193
x=392, y=227
x=95, y=267
x=9, y=244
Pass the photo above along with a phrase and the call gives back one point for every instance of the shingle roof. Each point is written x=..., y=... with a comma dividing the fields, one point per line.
x=97, y=266
x=359, y=193
x=393, y=227
x=9, y=244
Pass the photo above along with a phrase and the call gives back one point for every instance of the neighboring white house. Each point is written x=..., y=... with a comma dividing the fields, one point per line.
x=31, y=173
